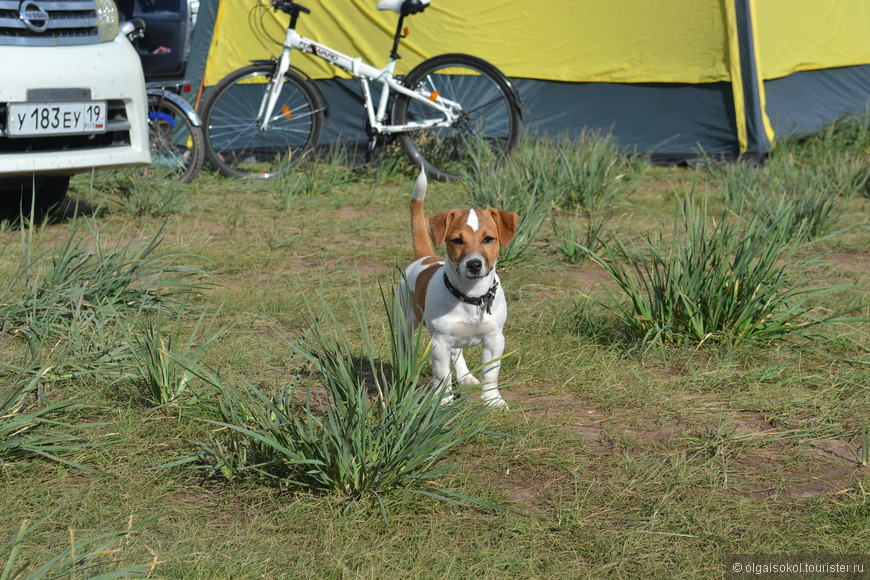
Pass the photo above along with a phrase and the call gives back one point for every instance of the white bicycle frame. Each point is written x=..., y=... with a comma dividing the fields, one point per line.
x=365, y=72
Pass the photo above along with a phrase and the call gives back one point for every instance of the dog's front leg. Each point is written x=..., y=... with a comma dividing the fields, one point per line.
x=440, y=358
x=463, y=375
x=493, y=348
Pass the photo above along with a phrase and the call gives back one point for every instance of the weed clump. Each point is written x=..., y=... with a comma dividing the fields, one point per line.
x=720, y=280
x=362, y=427
x=587, y=178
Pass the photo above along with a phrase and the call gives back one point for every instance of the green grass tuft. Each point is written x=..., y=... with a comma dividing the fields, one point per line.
x=719, y=280
x=364, y=428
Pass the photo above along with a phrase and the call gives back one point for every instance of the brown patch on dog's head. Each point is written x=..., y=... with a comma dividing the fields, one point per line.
x=473, y=235
x=439, y=225
x=506, y=222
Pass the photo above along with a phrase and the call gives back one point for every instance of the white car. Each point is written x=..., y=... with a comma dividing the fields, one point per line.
x=72, y=96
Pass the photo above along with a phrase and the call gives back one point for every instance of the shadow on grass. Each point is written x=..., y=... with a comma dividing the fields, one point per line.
x=16, y=213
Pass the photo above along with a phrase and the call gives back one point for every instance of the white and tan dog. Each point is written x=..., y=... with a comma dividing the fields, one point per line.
x=458, y=297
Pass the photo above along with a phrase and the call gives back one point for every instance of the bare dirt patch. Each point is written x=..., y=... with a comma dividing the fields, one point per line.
x=760, y=459
x=857, y=262
x=350, y=213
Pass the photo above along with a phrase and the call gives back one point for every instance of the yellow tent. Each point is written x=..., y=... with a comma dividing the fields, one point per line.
x=668, y=78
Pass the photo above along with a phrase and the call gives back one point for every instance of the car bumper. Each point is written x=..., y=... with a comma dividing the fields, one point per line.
x=110, y=71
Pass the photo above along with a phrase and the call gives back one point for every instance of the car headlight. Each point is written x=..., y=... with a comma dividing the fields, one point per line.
x=107, y=20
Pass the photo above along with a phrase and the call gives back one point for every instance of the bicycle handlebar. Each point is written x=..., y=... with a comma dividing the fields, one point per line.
x=406, y=8
x=289, y=7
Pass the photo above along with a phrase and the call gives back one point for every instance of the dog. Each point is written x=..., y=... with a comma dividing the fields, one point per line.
x=459, y=297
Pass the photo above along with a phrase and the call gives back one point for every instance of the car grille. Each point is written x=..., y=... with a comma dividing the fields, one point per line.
x=117, y=135
x=70, y=22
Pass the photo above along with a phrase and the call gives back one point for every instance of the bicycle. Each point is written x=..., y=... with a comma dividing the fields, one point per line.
x=175, y=135
x=451, y=112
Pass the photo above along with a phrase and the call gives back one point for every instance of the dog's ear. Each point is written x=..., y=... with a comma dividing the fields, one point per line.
x=506, y=221
x=438, y=225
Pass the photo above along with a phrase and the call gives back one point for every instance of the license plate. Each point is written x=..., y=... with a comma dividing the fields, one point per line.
x=33, y=119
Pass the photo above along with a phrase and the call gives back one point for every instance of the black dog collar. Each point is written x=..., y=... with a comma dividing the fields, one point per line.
x=485, y=301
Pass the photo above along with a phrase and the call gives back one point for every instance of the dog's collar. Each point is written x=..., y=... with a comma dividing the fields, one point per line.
x=485, y=301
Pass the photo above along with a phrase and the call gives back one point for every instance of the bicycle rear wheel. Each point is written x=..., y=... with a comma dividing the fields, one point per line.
x=177, y=145
x=488, y=123
x=234, y=143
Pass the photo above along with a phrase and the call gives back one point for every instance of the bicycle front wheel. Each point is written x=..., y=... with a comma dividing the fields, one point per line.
x=237, y=144
x=486, y=125
x=176, y=144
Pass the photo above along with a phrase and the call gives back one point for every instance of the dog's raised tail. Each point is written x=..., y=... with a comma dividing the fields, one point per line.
x=419, y=226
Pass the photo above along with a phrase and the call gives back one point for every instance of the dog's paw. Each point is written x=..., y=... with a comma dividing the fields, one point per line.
x=467, y=380
x=495, y=403
x=448, y=399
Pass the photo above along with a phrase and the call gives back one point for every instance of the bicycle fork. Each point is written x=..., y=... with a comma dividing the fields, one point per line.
x=273, y=89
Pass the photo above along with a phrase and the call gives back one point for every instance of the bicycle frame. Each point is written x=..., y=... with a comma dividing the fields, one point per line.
x=366, y=73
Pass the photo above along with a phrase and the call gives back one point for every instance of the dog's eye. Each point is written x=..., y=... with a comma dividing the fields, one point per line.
x=457, y=241
x=488, y=240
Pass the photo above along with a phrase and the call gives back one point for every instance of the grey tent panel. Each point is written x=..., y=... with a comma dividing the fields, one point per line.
x=672, y=122
x=804, y=102
x=199, y=43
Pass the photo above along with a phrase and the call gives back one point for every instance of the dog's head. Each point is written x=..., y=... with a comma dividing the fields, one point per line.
x=473, y=238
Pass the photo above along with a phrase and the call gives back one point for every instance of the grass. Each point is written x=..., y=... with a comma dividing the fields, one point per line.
x=331, y=173
x=614, y=461
x=30, y=427
x=80, y=274
x=805, y=201
x=92, y=556
x=588, y=177
x=156, y=346
x=719, y=279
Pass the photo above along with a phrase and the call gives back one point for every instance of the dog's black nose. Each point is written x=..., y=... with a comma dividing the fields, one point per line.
x=474, y=266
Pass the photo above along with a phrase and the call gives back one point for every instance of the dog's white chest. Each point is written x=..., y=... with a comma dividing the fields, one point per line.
x=465, y=334
x=464, y=324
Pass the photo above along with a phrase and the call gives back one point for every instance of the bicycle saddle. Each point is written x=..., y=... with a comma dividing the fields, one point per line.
x=404, y=7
